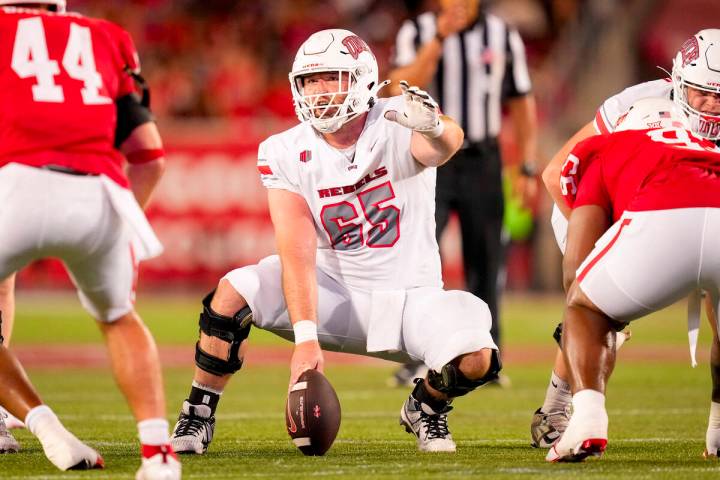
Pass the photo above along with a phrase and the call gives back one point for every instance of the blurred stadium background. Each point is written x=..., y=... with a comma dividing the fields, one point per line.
x=218, y=73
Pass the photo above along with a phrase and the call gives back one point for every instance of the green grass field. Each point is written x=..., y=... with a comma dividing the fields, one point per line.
x=658, y=410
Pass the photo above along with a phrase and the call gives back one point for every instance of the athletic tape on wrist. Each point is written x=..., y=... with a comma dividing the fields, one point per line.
x=305, y=331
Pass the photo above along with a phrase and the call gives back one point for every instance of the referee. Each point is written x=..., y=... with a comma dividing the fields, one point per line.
x=473, y=64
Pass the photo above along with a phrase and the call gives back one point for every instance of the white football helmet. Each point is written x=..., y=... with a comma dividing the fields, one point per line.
x=652, y=113
x=697, y=65
x=342, y=52
x=59, y=4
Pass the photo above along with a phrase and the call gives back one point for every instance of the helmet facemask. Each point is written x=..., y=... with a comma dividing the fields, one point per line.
x=325, y=111
x=703, y=124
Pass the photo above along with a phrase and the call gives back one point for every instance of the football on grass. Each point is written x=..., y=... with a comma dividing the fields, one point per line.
x=312, y=413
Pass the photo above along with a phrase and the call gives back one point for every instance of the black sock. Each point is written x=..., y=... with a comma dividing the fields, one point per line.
x=421, y=394
x=199, y=396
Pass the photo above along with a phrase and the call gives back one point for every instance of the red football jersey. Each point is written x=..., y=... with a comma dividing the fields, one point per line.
x=619, y=180
x=60, y=77
x=646, y=170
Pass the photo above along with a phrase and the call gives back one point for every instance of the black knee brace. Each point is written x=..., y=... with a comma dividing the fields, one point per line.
x=232, y=330
x=557, y=334
x=453, y=383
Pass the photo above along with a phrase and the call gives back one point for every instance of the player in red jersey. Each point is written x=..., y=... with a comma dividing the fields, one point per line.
x=694, y=86
x=68, y=84
x=673, y=205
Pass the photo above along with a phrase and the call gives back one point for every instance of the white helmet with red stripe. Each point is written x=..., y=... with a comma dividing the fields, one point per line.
x=336, y=51
x=652, y=113
x=59, y=4
x=697, y=65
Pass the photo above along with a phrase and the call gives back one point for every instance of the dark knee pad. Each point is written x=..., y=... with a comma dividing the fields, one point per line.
x=233, y=330
x=557, y=334
x=453, y=383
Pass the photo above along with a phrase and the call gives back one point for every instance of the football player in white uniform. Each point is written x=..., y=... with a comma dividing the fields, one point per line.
x=694, y=86
x=351, y=196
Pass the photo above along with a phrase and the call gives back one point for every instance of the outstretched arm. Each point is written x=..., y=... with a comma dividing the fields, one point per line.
x=297, y=245
x=435, y=137
x=435, y=151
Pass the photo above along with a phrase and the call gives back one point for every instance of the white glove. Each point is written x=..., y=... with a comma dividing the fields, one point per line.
x=419, y=112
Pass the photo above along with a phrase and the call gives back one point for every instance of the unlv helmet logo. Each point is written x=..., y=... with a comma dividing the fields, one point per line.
x=690, y=51
x=355, y=45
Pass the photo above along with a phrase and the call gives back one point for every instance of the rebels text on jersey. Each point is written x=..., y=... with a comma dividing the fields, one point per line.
x=661, y=169
x=374, y=208
x=62, y=74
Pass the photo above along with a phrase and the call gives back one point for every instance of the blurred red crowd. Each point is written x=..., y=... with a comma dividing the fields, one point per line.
x=220, y=58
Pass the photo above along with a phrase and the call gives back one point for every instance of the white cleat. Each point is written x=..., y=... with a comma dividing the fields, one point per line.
x=584, y=437
x=546, y=428
x=8, y=444
x=712, y=443
x=65, y=451
x=10, y=420
x=194, y=429
x=159, y=463
x=428, y=426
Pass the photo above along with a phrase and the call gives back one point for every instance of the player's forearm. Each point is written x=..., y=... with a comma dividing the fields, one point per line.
x=143, y=178
x=436, y=151
x=299, y=280
x=523, y=116
x=297, y=247
x=551, y=173
x=146, y=163
x=421, y=71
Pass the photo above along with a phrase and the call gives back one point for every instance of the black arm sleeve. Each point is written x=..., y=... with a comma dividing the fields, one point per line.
x=130, y=115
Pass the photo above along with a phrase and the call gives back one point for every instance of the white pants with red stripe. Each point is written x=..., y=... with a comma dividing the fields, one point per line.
x=649, y=260
x=424, y=323
x=50, y=214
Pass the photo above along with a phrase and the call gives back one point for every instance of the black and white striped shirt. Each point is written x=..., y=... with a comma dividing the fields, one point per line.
x=479, y=68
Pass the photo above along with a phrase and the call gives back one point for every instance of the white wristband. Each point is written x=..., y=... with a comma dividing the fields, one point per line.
x=305, y=331
x=437, y=131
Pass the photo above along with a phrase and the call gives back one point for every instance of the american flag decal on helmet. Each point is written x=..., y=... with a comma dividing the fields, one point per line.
x=305, y=156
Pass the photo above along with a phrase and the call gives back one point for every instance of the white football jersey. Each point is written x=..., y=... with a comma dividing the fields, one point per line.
x=611, y=110
x=374, y=206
